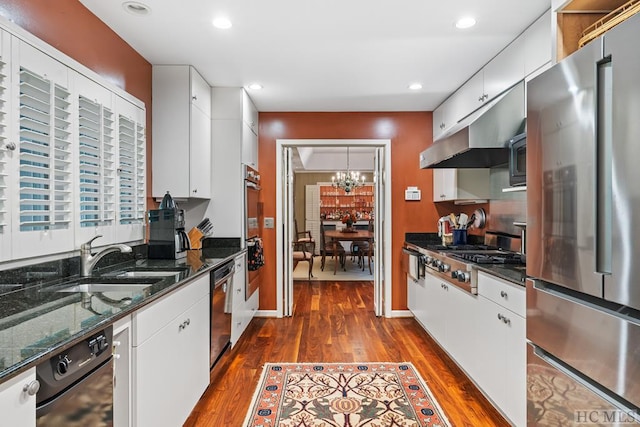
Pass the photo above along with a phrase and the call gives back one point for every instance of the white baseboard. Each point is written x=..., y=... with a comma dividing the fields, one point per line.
x=399, y=313
x=266, y=313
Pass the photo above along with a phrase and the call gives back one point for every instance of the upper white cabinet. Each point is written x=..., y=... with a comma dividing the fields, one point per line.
x=538, y=44
x=460, y=184
x=181, y=132
x=524, y=55
x=233, y=108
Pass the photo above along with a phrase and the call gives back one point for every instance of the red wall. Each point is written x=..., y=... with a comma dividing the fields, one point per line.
x=71, y=28
x=409, y=132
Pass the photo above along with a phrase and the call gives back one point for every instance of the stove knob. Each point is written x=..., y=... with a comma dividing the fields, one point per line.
x=63, y=365
x=463, y=276
x=454, y=274
x=427, y=259
x=436, y=263
x=444, y=267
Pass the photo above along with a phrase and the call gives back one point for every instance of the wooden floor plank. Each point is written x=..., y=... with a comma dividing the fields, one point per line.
x=334, y=322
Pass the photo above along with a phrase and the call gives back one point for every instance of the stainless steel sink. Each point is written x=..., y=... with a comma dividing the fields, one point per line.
x=106, y=287
x=138, y=273
x=105, y=284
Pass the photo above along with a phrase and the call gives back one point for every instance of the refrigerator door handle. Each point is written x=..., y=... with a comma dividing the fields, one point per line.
x=604, y=146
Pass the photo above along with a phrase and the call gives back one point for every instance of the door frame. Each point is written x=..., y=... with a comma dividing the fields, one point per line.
x=385, y=186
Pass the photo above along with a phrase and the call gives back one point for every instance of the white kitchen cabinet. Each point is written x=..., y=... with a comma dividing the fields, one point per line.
x=122, y=372
x=17, y=406
x=171, y=355
x=538, y=44
x=460, y=184
x=502, y=332
x=182, y=132
x=228, y=132
x=449, y=318
x=524, y=55
x=417, y=299
x=234, y=106
x=243, y=310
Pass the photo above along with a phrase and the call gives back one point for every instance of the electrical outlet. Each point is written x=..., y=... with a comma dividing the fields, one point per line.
x=269, y=223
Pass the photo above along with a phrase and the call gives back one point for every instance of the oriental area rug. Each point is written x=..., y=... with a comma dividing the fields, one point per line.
x=343, y=395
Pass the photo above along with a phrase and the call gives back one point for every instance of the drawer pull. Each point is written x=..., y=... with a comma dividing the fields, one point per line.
x=32, y=388
x=184, y=324
x=503, y=294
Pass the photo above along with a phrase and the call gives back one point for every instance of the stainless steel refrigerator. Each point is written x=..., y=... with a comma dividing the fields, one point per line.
x=583, y=243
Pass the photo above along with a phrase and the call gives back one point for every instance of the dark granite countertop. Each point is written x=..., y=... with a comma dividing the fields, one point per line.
x=36, y=321
x=431, y=241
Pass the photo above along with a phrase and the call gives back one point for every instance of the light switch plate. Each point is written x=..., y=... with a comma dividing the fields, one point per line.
x=269, y=223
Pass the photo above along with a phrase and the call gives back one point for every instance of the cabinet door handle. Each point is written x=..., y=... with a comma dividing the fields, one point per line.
x=10, y=146
x=194, y=97
x=503, y=294
x=32, y=388
x=195, y=190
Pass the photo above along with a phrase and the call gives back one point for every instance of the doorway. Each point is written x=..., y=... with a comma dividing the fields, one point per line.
x=382, y=215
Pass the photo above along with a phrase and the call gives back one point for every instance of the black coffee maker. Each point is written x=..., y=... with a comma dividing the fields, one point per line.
x=167, y=238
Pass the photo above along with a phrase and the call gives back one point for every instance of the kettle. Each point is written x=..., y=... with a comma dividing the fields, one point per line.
x=167, y=202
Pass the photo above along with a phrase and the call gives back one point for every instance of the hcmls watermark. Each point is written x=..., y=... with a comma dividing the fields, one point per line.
x=606, y=416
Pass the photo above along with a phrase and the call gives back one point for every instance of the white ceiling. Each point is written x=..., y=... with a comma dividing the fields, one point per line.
x=331, y=55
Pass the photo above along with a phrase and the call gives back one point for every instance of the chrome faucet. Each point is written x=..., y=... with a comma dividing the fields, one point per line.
x=88, y=261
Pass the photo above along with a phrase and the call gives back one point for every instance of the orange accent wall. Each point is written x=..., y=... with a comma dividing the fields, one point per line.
x=409, y=132
x=71, y=28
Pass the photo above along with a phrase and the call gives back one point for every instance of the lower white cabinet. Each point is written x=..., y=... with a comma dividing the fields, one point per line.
x=171, y=356
x=17, y=406
x=122, y=372
x=502, y=331
x=243, y=310
x=485, y=334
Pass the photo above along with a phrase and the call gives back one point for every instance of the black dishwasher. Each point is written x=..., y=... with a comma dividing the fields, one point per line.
x=76, y=385
x=221, y=305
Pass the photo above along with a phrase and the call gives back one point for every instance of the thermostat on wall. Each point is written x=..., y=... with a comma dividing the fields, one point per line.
x=412, y=193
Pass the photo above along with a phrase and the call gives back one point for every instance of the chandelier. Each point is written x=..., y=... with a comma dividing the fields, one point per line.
x=347, y=180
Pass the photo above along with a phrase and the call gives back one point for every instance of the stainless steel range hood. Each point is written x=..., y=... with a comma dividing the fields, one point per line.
x=479, y=140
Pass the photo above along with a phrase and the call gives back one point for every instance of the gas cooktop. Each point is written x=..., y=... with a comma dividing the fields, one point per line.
x=489, y=258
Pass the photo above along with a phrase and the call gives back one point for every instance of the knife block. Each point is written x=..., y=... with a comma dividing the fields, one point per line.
x=195, y=236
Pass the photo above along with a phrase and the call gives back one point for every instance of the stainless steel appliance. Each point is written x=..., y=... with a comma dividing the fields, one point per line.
x=253, y=216
x=76, y=385
x=221, y=306
x=167, y=236
x=478, y=140
x=518, y=160
x=413, y=263
x=583, y=298
x=458, y=264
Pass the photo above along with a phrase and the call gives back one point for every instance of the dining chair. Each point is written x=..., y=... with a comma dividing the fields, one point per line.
x=303, y=251
x=326, y=247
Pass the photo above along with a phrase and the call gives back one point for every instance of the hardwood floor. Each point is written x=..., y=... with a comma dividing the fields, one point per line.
x=334, y=322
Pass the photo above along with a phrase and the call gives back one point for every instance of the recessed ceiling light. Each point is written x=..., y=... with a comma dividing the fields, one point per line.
x=255, y=86
x=466, y=22
x=222, y=22
x=415, y=86
x=136, y=8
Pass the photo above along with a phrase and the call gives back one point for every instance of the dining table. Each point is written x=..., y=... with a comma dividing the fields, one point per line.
x=336, y=236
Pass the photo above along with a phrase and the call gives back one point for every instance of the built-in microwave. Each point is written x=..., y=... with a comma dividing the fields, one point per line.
x=518, y=160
